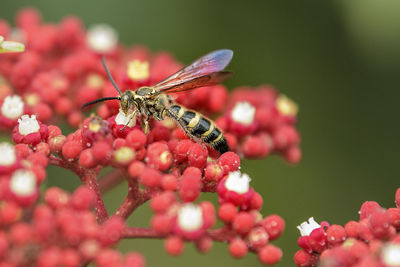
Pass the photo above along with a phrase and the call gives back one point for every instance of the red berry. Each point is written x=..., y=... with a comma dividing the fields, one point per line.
x=20, y=234
x=43, y=112
x=270, y=254
x=161, y=223
x=158, y=156
x=102, y=152
x=274, y=225
x=304, y=259
x=256, y=201
x=134, y=259
x=136, y=139
x=169, y=182
x=336, y=234
x=238, y=248
x=255, y=147
x=181, y=151
x=293, y=154
x=108, y=257
x=394, y=214
x=150, y=177
x=86, y=158
x=208, y=212
x=397, y=197
x=71, y=150
x=379, y=224
x=174, y=246
x=4, y=244
x=352, y=228
x=230, y=161
x=9, y=212
x=70, y=258
x=227, y=212
x=204, y=245
x=161, y=202
x=190, y=184
x=56, y=197
x=213, y=173
x=257, y=238
x=197, y=156
x=23, y=150
x=111, y=231
x=49, y=257
x=57, y=143
x=82, y=198
x=136, y=168
x=243, y=222
x=368, y=208
x=53, y=131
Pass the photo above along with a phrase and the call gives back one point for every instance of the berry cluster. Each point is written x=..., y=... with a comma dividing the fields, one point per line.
x=59, y=72
x=373, y=240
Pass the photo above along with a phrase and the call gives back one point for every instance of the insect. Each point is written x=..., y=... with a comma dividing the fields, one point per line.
x=154, y=101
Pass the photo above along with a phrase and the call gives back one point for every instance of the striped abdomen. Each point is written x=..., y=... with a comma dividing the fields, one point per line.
x=199, y=126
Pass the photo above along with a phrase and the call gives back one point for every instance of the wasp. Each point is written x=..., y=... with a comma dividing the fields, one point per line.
x=154, y=101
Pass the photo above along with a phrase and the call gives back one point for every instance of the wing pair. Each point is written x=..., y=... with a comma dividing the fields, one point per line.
x=205, y=71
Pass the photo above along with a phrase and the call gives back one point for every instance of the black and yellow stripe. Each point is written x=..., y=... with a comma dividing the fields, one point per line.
x=199, y=126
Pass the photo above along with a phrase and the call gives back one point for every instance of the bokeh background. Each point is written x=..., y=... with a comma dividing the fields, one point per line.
x=339, y=60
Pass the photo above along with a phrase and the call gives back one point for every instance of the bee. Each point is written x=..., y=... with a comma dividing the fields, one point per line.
x=155, y=102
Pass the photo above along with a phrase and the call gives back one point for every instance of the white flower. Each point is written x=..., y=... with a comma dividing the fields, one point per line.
x=138, y=70
x=122, y=119
x=306, y=228
x=102, y=38
x=23, y=183
x=391, y=255
x=28, y=125
x=7, y=154
x=12, y=107
x=243, y=112
x=238, y=182
x=286, y=106
x=190, y=217
x=9, y=46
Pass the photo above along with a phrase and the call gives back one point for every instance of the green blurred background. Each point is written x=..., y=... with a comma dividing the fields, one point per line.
x=339, y=60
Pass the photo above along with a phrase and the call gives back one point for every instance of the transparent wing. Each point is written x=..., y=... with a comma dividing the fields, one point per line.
x=205, y=71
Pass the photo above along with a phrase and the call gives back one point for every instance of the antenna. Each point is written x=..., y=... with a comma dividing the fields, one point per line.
x=109, y=75
x=99, y=100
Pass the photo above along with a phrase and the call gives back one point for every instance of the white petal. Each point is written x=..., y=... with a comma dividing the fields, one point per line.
x=306, y=228
x=122, y=119
x=190, y=217
x=243, y=113
x=9, y=46
x=238, y=182
x=13, y=107
x=23, y=183
x=7, y=154
x=391, y=255
x=102, y=38
x=28, y=125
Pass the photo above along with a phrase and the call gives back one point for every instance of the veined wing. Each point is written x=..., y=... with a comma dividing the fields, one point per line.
x=205, y=71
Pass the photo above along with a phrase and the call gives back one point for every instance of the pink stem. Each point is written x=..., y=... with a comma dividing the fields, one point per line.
x=221, y=234
x=89, y=178
x=134, y=199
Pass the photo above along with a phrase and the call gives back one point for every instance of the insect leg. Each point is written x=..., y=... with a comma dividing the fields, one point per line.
x=144, y=123
x=133, y=115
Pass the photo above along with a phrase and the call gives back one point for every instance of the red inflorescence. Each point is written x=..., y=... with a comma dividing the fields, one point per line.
x=371, y=241
x=59, y=72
